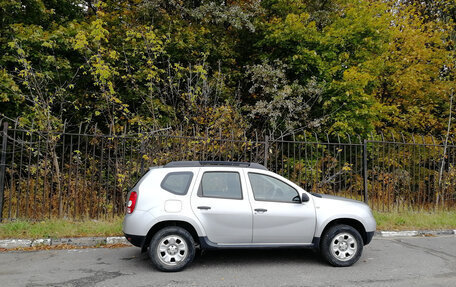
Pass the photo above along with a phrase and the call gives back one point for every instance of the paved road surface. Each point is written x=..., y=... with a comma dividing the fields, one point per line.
x=385, y=262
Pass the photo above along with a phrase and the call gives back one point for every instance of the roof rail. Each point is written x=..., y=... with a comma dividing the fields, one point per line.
x=214, y=163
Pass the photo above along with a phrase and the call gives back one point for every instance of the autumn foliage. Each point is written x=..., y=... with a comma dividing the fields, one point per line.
x=337, y=69
x=341, y=66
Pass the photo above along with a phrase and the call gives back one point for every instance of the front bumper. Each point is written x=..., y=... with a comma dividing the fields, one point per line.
x=369, y=236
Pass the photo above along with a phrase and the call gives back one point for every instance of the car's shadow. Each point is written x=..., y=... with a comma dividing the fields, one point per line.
x=280, y=256
x=239, y=257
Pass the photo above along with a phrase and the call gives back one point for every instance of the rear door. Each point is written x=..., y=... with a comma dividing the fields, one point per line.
x=278, y=215
x=222, y=205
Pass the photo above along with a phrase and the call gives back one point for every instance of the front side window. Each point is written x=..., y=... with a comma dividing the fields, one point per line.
x=177, y=182
x=268, y=188
x=221, y=185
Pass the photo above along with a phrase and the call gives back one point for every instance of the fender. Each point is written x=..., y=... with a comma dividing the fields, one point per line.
x=179, y=217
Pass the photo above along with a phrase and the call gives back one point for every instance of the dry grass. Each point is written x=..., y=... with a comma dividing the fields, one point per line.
x=412, y=220
x=57, y=228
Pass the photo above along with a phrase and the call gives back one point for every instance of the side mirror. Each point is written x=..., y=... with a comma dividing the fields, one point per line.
x=305, y=197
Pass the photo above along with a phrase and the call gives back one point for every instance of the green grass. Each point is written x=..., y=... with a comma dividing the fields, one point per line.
x=56, y=228
x=409, y=220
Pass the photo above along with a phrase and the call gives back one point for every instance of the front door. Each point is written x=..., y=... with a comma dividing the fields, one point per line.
x=278, y=214
x=222, y=206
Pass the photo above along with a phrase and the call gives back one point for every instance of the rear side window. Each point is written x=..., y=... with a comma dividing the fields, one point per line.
x=221, y=185
x=177, y=182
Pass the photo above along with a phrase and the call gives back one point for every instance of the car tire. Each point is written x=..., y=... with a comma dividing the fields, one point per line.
x=172, y=249
x=341, y=245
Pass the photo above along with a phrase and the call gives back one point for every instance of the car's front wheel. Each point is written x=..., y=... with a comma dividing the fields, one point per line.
x=341, y=245
x=172, y=249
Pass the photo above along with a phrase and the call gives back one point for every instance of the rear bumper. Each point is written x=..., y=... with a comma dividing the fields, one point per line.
x=136, y=240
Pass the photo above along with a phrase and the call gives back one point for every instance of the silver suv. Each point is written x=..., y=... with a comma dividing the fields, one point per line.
x=183, y=206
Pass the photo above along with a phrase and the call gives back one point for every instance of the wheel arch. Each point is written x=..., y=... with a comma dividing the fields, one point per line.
x=162, y=224
x=356, y=224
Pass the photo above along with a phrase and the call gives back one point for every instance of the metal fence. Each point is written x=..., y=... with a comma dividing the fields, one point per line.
x=87, y=175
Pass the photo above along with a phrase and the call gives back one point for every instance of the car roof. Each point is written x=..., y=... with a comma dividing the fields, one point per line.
x=214, y=163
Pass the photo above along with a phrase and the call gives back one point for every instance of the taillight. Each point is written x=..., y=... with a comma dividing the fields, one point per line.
x=132, y=202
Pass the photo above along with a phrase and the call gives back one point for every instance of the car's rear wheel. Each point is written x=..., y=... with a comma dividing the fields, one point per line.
x=172, y=249
x=341, y=245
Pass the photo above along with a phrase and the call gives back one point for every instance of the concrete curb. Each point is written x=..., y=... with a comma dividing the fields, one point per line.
x=97, y=241
x=414, y=233
x=76, y=241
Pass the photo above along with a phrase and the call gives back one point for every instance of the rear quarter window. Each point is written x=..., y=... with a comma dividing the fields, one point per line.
x=177, y=182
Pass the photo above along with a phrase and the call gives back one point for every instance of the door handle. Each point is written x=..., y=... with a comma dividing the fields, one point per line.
x=260, y=210
x=204, y=207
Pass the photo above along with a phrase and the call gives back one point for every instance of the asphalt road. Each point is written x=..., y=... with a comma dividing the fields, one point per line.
x=429, y=261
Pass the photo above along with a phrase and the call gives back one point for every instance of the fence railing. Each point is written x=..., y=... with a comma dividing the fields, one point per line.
x=87, y=175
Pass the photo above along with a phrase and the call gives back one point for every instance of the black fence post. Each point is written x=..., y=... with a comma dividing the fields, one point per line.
x=365, y=170
x=3, y=167
x=142, y=151
x=266, y=150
